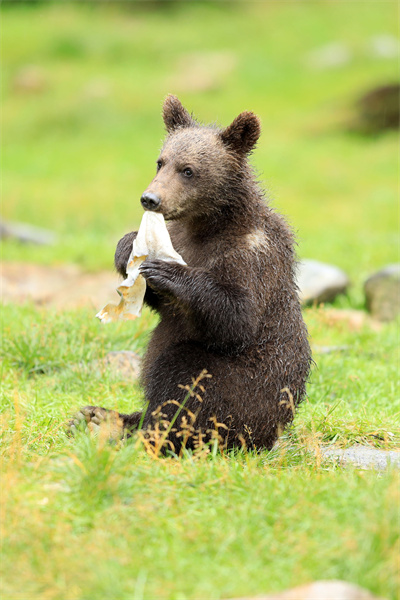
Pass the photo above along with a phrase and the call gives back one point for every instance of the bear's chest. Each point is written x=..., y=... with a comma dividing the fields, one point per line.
x=197, y=252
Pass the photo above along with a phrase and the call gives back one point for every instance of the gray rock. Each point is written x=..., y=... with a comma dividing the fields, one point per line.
x=321, y=590
x=382, y=293
x=364, y=457
x=319, y=282
x=384, y=46
x=27, y=234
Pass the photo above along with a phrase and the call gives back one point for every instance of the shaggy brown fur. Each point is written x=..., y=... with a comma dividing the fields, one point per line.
x=233, y=310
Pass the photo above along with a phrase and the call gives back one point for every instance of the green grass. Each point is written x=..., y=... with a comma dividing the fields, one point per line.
x=101, y=521
x=49, y=372
x=83, y=519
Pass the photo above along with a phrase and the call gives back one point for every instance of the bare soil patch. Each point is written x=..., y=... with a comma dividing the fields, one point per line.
x=63, y=286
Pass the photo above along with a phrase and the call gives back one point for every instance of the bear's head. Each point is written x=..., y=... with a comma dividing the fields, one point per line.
x=199, y=166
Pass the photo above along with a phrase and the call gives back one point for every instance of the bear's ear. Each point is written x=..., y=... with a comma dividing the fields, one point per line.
x=242, y=134
x=175, y=115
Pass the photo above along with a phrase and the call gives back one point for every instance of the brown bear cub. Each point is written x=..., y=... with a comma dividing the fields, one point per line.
x=233, y=311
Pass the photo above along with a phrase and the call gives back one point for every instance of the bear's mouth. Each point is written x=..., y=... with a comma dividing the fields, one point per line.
x=173, y=215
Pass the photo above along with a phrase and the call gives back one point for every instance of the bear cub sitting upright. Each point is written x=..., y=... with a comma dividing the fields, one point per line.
x=233, y=311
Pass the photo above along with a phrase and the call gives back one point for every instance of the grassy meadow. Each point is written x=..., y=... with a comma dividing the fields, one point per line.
x=82, y=91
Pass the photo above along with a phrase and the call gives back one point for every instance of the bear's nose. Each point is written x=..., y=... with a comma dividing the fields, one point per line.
x=150, y=201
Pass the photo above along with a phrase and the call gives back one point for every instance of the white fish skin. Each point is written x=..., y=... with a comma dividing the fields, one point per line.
x=152, y=241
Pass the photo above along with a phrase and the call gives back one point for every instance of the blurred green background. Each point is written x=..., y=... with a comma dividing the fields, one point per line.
x=83, y=86
x=82, y=89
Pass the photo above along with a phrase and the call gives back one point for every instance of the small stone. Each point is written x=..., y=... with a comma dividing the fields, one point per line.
x=321, y=590
x=382, y=293
x=384, y=46
x=27, y=234
x=364, y=457
x=319, y=282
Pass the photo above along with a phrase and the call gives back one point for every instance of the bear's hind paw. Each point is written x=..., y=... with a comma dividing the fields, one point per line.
x=97, y=420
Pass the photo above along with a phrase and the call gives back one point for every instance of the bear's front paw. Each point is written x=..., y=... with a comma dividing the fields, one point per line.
x=123, y=251
x=163, y=276
x=95, y=418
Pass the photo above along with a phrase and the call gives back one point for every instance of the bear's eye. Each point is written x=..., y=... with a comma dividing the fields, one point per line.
x=187, y=172
x=159, y=165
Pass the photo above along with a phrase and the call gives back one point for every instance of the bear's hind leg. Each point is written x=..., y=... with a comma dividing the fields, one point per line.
x=118, y=424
